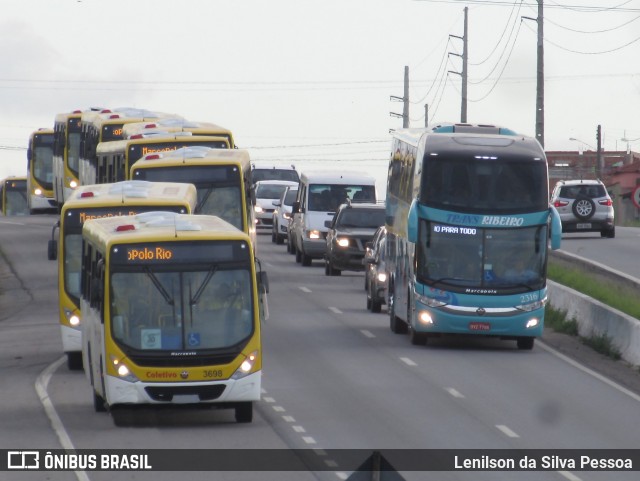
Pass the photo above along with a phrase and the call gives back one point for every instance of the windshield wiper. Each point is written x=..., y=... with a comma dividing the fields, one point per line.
x=194, y=300
x=204, y=200
x=159, y=286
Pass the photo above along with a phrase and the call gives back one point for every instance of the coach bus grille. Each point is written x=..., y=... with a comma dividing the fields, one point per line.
x=166, y=393
x=183, y=361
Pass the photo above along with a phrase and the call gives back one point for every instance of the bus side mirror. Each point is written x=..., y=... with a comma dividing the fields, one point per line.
x=556, y=229
x=263, y=282
x=52, y=250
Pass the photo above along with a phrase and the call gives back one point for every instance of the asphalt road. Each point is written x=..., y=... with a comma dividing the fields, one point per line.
x=335, y=377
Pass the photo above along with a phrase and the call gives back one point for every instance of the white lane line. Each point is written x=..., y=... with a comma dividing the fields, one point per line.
x=278, y=409
x=268, y=399
x=42, y=382
x=289, y=419
x=368, y=334
x=408, y=361
x=569, y=476
x=342, y=476
x=335, y=310
x=299, y=429
x=507, y=431
x=304, y=289
x=308, y=440
x=585, y=369
x=454, y=392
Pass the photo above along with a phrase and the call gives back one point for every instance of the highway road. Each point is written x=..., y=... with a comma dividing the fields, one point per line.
x=620, y=253
x=335, y=377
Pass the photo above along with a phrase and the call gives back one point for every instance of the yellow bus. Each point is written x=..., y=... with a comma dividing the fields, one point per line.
x=40, y=171
x=106, y=125
x=114, y=159
x=222, y=177
x=174, y=125
x=66, y=155
x=13, y=196
x=172, y=309
x=95, y=201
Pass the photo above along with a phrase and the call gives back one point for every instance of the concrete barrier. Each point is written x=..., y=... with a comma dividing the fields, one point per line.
x=593, y=317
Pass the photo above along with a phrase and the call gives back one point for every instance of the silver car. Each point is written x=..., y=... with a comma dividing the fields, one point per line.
x=584, y=206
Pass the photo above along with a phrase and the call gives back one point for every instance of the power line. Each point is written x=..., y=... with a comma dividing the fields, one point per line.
x=507, y=3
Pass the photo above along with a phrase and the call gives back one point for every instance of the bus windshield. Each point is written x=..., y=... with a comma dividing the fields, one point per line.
x=160, y=309
x=218, y=188
x=43, y=160
x=458, y=258
x=468, y=184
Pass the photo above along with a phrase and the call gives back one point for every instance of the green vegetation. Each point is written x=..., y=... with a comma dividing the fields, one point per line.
x=605, y=292
x=557, y=320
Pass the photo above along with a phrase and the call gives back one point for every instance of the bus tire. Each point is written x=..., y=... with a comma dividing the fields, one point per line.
x=99, y=405
x=244, y=412
x=525, y=343
x=397, y=325
x=74, y=361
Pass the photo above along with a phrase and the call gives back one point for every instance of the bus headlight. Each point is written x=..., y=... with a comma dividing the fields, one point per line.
x=246, y=366
x=73, y=184
x=424, y=317
x=123, y=371
x=38, y=192
x=429, y=301
x=74, y=319
x=382, y=276
x=533, y=305
x=533, y=322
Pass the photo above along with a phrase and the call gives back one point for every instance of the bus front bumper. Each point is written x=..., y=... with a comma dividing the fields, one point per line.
x=71, y=339
x=124, y=392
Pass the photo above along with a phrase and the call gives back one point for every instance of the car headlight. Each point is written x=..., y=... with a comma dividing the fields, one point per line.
x=342, y=241
x=313, y=234
x=259, y=209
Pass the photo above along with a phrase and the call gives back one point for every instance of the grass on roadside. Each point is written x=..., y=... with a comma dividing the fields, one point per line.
x=608, y=294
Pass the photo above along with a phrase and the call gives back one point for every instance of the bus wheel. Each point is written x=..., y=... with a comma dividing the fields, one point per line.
x=244, y=412
x=525, y=343
x=98, y=403
x=397, y=325
x=74, y=361
x=122, y=415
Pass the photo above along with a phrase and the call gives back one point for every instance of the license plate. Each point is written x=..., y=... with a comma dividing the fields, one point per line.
x=479, y=326
x=584, y=225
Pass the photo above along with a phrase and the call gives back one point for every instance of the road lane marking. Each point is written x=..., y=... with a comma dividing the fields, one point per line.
x=308, y=440
x=304, y=289
x=368, y=334
x=585, y=369
x=289, y=419
x=268, y=399
x=335, y=310
x=42, y=383
x=408, y=361
x=507, y=431
x=299, y=429
x=278, y=409
x=454, y=392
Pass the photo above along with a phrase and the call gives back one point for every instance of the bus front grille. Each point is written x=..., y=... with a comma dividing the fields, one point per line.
x=166, y=393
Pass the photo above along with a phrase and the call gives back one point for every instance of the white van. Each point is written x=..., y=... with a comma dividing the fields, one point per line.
x=319, y=195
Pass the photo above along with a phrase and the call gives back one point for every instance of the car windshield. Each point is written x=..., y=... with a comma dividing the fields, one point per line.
x=270, y=191
x=364, y=218
x=575, y=191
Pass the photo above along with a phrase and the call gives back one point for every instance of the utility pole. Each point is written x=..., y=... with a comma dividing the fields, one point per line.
x=599, y=166
x=540, y=78
x=426, y=115
x=539, y=74
x=465, y=57
x=404, y=99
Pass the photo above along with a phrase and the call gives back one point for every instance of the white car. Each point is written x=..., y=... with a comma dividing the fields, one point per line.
x=268, y=191
x=282, y=215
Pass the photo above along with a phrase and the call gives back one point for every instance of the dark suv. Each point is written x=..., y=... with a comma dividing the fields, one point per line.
x=584, y=206
x=352, y=226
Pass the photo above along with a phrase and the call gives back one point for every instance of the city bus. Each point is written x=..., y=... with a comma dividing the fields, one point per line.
x=222, y=177
x=40, y=171
x=95, y=201
x=106, y=125
x=13, y=196
x=174, y=125
x=66, y=155
x=172, y=310
x=468, y=230
x=114, y=159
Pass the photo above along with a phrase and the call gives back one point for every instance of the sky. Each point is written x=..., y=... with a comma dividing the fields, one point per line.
x=309, y=83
